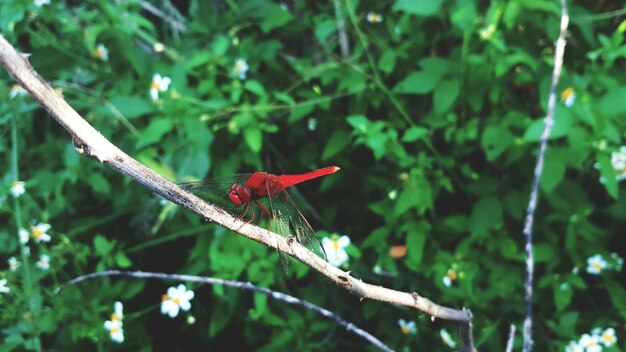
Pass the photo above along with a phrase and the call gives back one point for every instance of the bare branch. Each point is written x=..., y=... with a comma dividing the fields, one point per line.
x=509, y=342
x=534, y=194
x=173, y=22
x=238, y=285
x=91, y=143
x=344, y=46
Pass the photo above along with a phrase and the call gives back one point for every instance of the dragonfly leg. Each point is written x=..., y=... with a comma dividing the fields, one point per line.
x=264, y=210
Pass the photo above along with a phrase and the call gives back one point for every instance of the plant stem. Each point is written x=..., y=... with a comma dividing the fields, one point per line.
x=29, y=290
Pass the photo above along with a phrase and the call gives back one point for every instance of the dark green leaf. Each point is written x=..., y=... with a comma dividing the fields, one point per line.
x=418, y=7
x=445, y=95
x=495, y=140
x=485, y=215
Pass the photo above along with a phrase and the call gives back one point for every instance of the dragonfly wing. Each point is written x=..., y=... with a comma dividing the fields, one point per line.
x=290, y=222
x=215, y=191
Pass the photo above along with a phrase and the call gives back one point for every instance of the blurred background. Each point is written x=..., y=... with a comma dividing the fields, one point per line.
x=432, y=109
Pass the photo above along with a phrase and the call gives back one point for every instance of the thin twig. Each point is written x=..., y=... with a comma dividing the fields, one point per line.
x=174, y=23
x=509, y=342
x=236, y=284
x=344, y=46
x=91, y=143
x=534, y=194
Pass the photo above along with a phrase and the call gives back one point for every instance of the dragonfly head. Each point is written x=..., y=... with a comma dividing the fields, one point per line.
x=239, y=194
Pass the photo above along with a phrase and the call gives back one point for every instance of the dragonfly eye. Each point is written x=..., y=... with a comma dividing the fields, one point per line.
x=239, y=194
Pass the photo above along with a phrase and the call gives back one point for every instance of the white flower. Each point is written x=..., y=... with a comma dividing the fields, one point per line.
x=17, y=189
x=574, y=347
x=3, y=286
x=447, y=339
x=158, y=47
x=590, y=343
x=40, y=3
x=115, y=329
x=311, y=124
x=451, y=276
x=374, y=17
x=618, y=161
x=44, y=262
x=241, y=69
x=596, y=264
x=115, y=325
x=39, y=232
x=568, y=96
x=23, y=235
x=608, y=337
x=13, y=264
x=101, y=52
x=407, y=327
x=17, y=90
x=177, y=298
x=159, y=84
x=335, y=249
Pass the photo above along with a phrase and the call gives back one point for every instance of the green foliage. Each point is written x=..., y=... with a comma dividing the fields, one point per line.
x=434, y=114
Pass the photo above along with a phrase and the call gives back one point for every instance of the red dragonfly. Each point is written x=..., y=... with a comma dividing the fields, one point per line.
x=254, y=189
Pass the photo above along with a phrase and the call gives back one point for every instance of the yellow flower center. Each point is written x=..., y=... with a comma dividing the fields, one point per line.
x=405, y=329
x=36, y=232
x=566, y=93
x=98, y=53
x=114, y=329
x=177, y=301
x=154, y=85
x=597, y=266
x=336, y=245
x=15, y=183
x=115, y=317
x=165, y=297
x=452, y=275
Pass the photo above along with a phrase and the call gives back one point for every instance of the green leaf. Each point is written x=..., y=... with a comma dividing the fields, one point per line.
x=486, y=214
x=563, y=121
x=157, y=128
x=131, y=106
x=543, y=252
x=221, y=315
x=387, y=61
x=563, y=296
x=12, y=13
x=553, y=173
x=418, y=82
x=617, y=293
x=508, y=248
x=414, y=133
x=418, y=7
x=102, y=245
x=99, y=184
x=608, y=174
x=417, y=196
x=495, y=140
x=324, y=29
x=260, y=303
x=220, y=45
x=359, y=122
x=415, y=249
x=612, y=103
x=253, y=138
x=255, y=87
x=122, y=260
x=336, y=143
x=445, y=95
x=274, y=17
